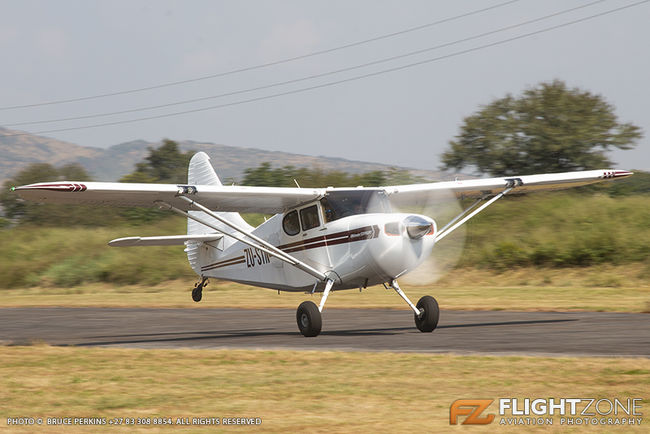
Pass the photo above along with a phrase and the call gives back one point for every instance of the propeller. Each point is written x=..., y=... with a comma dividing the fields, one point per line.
x=441, y=206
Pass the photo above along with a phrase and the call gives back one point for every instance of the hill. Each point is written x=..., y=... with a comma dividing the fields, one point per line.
x=112, y=163
x=19, y=151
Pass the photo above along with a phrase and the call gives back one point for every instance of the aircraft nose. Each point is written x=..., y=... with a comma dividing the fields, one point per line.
x=417, y=226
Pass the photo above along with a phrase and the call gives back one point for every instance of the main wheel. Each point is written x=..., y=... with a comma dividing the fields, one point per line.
x=309, y=319
x=197, y=294
x=428, y=320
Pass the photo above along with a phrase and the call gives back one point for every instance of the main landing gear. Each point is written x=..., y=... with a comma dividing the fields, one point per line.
x=197, y=292
x=426, y=312
x=308, y=315
x=310, y=321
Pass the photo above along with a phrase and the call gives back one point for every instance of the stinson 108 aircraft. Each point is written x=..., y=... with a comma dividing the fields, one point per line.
x=319, y=240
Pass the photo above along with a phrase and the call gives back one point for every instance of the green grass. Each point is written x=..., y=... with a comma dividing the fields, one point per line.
x=605, y=288
x=65, y=257
x=297, y=391
x=558, y=230
x=545, y=231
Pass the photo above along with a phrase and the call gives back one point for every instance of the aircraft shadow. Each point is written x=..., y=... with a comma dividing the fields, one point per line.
x=501, y=323
x=217, y=335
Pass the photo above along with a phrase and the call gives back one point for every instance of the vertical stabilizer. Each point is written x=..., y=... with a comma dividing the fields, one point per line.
x=201, y=172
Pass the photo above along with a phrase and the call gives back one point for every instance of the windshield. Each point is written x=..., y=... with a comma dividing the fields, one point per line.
x=339, y=204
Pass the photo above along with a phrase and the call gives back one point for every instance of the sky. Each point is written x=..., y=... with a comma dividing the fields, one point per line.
x=69, y=49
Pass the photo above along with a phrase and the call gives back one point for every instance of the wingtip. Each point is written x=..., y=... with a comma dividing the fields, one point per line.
x=622, y=173
x=611, y=174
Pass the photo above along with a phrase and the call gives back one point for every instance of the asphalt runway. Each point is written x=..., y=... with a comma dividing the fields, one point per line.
x=494, y=332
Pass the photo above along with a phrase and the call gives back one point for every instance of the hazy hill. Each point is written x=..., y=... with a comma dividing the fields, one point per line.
x=112, y=163
x=19, y=151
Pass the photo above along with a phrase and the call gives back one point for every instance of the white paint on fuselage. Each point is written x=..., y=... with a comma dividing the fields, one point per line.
x=354, y=251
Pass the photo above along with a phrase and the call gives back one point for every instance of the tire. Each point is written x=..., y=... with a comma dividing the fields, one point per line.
x=428, y=321
x=197, y=294
x=309, y=319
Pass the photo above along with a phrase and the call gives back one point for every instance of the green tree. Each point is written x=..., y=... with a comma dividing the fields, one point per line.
x=550, y=128
x=166, y=165
x=265, y=175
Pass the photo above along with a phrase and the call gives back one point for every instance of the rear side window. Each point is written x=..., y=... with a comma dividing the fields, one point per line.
x=309, y=217
x=290, y=223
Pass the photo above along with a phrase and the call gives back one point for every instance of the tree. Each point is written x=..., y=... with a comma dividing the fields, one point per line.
x=165, y=164
x=265, y=175
x=549, y=128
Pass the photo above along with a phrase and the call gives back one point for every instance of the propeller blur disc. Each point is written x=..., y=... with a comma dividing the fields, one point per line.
x=442, y=206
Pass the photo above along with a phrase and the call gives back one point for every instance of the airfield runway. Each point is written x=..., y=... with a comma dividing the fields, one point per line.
x=495, y=332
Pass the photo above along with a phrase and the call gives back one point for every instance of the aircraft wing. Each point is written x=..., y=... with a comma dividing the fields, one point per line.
x=525, y=183
x=218, y=198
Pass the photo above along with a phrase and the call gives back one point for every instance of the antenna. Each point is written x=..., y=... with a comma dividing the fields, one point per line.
x=294, y=180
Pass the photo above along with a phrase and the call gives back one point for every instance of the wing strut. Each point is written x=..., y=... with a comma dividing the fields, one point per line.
x=258, y=242
x=449, y=229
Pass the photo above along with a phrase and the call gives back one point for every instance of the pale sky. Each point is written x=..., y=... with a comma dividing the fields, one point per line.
x=69, y=49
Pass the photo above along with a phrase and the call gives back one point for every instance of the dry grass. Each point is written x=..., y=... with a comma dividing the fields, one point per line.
x=295, y=391
x=606, y=288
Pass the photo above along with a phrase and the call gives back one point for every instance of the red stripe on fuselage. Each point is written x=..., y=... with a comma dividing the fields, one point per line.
x=311, y=243
x=232, y=261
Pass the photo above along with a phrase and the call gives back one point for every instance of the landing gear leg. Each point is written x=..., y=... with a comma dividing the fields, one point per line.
x=308, y=315
x=197, y=292
x=426, y=312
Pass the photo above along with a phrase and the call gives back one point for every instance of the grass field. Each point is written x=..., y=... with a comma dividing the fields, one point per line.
x=297, y=391
x=605, y=288
x=548, y=232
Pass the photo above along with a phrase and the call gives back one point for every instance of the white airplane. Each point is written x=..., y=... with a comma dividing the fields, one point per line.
x=319, y=240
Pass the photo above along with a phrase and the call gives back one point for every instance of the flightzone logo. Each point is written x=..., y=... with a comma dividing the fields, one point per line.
x=547, y=411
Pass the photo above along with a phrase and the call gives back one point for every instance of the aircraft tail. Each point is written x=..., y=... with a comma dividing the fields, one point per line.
x=201, y=172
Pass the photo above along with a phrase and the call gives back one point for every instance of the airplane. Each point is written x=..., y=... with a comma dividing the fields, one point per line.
x=319, y=239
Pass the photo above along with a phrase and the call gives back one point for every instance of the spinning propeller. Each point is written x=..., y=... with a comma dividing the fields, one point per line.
x=441, y=206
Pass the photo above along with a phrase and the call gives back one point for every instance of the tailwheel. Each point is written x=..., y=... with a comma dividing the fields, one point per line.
x=427, y=321
x=309, y=319
x=197, y=292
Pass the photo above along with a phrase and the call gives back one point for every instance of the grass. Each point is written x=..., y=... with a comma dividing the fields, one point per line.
x=558, y=230
x=296, y=391
x=606, y=288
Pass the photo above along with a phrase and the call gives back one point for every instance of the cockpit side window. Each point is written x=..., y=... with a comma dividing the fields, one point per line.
x=291, y=224
x=309, y=217
x=339, y=204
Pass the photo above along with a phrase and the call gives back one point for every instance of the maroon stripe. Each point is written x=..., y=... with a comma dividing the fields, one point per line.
x=308, y=244
x=298, y=243
x=57, y=187
x=223, y=263
x=217, y=264
x=312, y=243
x=329, y=237
x=327, y=243
x=344, y=237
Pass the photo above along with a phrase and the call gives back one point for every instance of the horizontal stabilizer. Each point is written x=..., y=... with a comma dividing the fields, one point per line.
x=169, y=240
